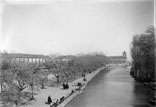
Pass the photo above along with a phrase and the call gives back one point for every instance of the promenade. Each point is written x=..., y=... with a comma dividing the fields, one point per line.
x=58, y=92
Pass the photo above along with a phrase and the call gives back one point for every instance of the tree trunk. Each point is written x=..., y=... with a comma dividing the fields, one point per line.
x=67, y=78
x=57, y=80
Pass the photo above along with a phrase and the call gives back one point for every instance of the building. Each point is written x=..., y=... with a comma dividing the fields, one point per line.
x=65, y=58
x=23, y=58
x=119, y=59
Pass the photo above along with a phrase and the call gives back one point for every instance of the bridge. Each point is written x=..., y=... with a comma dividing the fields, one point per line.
x=24, y=58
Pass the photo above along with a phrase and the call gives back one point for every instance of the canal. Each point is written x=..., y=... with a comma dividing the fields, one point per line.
x=114, y=88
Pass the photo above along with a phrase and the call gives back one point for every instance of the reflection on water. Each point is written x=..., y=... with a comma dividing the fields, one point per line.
x=141, y=95
x=113, y=89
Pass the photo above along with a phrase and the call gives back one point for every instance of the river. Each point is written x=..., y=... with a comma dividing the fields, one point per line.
x=114, y=88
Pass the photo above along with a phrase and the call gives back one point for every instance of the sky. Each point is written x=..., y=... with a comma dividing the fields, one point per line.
x=73, y=26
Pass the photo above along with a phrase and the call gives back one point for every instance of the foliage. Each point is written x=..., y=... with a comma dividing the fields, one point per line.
x=75, y=66
x=142, y=53
x=15, y=76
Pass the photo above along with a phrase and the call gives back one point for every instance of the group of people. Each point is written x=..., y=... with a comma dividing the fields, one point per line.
x=65, y=86
x=52, y=104
x=84, y=77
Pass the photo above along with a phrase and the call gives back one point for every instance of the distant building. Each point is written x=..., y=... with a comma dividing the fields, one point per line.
x=119, y=59
x=23, y=58
x=65, y=58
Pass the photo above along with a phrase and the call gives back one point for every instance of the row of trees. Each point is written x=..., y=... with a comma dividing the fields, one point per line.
x=15, y=77
x=143, y=55
x=72, y=69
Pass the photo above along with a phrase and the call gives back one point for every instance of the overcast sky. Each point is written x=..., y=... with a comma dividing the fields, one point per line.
x=73, y=26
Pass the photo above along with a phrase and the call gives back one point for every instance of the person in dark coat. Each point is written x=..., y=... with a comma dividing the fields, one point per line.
x=49, y=100
x=64, y=86
x=67, y=86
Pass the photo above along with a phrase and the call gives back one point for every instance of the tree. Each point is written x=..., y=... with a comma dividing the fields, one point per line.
x=9, y=88
x=67, y=71
x=55, y=68
x=142, y=52
x=42, y=75
x=33, y=74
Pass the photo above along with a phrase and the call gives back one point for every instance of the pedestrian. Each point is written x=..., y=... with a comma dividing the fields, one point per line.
x=49, y=100
x=72, y=92
x=64, y=86
x=84, y=79
x=67, y=86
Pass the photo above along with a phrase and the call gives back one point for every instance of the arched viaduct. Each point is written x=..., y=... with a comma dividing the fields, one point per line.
x=24, y=58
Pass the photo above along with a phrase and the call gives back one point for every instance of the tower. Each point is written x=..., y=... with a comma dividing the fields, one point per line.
x=124, y=54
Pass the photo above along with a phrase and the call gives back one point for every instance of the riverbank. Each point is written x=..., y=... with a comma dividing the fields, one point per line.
x=58, y=92
x=89, y=77
x=151, y=85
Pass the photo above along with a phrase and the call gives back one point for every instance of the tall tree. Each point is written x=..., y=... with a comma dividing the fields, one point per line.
x=142, y=52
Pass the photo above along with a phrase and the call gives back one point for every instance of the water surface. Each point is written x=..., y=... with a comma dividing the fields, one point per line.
x=113, y=89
